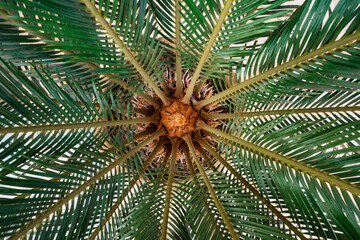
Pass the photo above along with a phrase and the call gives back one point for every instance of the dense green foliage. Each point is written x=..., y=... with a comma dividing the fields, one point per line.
x=80, y=153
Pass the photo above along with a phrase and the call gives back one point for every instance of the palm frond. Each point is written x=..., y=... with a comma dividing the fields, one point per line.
x=327, y=155
x=53, y=22
x=127, y=52
x=27, y=103
x=301, y=77
x=263, y=96
x=18, y=45
x=194, y=214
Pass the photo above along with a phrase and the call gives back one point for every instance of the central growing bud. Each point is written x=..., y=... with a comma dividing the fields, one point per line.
x=178, y=119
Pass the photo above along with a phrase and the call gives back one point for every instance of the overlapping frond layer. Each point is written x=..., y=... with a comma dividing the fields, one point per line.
x=92, y=205
x=43, y=181
x=114, y=211
x=315, y=24
x=70, y=27
x=41, y=100
x=244, y=22
x=163, y=10
x=194, y=214
x=327, y=144
x=250, y=187
x=17, y=45
x=44, y=166
x=38, y=102
x=247, y=21
x=312, y=84
x=215, y=198
x=196, y=28
x=139, y=22
x=99, y=174
x=321, y=210
x=135, y=23
x=249, y=217
x=139, y=215
x=300, y=71
x=258, y=221
x=56, y=21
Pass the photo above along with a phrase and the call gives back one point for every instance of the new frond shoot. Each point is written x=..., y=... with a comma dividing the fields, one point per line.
x=178, y=119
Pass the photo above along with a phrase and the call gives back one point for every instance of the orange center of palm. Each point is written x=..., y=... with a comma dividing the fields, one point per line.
x=178, y=119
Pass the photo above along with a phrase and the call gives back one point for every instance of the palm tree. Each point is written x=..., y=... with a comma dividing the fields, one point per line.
x=185, y=119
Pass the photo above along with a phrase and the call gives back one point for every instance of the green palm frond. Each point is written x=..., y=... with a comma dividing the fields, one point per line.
x=322, y=144
x=183, y=119
x=293, y=62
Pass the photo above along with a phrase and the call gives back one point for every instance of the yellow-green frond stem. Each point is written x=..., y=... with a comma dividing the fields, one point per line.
x=22, y=231
x=205, y=54
x=146, y=77
x=211, y=189
x=174, y=152
x=285, y=160
x=250, y=187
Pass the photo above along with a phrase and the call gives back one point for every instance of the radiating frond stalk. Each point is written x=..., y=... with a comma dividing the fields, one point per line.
x=205, y=54
x=251, y=188
x=226, y=94
x=178, y=68
x=70, y=126
x=174, y=152
x=22, y=231
x=188, y=159
x=285, y=160
x=213, y=116
x=112, y=33
x=211, y=189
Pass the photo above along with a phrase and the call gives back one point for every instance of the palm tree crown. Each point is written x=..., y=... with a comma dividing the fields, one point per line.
x=184, y=119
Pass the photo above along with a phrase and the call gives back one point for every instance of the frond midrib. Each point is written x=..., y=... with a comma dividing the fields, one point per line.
x=45, y=214
x=90, y=65
x=286, y=161
x=210, y=116
x=78, y=125
x=224, y=95
x=124, y=49
x=250, y=187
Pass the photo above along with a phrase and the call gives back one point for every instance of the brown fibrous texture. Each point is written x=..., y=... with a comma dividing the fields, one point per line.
x=178, y=119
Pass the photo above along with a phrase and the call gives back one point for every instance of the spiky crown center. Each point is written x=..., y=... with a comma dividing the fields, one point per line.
x=178, y=119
